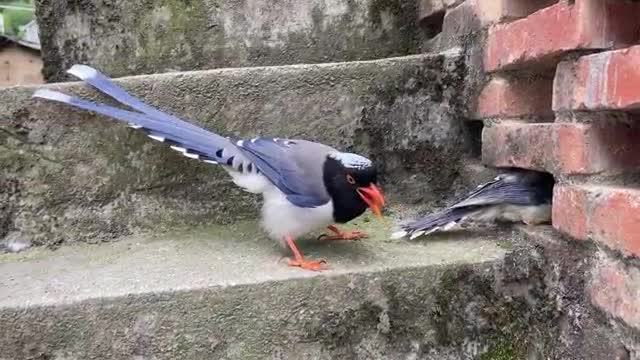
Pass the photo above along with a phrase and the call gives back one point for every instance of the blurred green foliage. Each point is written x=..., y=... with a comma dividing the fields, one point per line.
x=14, y=18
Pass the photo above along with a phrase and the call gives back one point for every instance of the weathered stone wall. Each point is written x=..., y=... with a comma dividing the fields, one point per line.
x=155, y=36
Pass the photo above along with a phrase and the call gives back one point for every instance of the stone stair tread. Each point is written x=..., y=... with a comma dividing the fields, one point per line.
x=215, y=256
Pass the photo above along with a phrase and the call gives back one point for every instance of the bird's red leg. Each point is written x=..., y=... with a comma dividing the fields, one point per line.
x=343, y=235
x=299, y=261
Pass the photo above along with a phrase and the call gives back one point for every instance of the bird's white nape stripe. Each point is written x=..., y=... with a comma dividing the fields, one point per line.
x=353, y=161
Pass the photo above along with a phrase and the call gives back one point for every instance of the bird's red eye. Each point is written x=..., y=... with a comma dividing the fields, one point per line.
x=350, y=179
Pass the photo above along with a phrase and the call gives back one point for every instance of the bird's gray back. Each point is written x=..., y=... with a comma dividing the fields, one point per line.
x=309, y=158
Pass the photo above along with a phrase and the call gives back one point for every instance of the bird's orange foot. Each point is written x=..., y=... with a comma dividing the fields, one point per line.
x=299, y=261
x=313, y=265
x=343, y=235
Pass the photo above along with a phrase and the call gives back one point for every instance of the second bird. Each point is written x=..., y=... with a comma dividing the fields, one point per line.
x=516, y=196
x=305, y=185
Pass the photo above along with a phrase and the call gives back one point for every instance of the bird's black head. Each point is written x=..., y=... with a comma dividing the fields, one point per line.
x=351, y=181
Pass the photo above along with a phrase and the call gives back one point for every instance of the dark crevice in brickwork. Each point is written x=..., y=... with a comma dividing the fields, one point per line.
x=432, y=25
x=528, y=7
x=473, y=132
x=624, y=180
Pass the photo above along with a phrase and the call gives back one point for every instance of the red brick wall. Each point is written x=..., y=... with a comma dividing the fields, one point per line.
x=562, y=95
x=592, y=140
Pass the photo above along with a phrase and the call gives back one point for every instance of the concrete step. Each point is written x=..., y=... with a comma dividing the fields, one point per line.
x=157, y=36
x=220, y=292
x=69, y=176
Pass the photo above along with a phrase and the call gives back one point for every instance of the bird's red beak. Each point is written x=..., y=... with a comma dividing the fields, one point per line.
x=373, y=197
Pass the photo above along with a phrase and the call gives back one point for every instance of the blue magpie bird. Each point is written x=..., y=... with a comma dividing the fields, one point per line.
x=514, y=196
x=305, y=185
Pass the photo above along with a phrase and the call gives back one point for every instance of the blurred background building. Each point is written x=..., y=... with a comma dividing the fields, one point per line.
x=20, y=58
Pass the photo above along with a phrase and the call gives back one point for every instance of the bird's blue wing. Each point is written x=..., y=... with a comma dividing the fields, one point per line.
x=510, y=188
x=302, y=183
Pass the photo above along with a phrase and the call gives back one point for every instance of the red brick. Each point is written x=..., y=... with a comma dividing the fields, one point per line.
x=572, y=151
x=604, y=81
x=503, y=98
x=570, y=216
x=615, y=288
x=615, y=221
x=607, y=215
x=542, y=37
x=564, y=148
x=598, y=147
x=473, y=15
x=517, y=144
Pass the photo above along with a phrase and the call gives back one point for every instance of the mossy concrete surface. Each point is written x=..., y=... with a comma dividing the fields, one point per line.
x=156, y=36
x=226, y=293
x=70, y=176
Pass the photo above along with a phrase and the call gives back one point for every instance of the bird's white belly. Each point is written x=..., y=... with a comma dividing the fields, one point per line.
x=281, y=218
x=528, y=214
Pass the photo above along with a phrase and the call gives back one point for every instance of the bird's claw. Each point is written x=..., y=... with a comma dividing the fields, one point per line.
x=313, y=265
x=346, y=235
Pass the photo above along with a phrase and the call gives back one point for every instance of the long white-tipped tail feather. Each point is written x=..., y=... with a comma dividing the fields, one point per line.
x=193, y=143
x=82, y=71
x=52, y=95
x=106, y=86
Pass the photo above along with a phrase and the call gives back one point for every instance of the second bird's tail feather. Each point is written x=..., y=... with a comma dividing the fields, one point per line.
x=441, y=220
